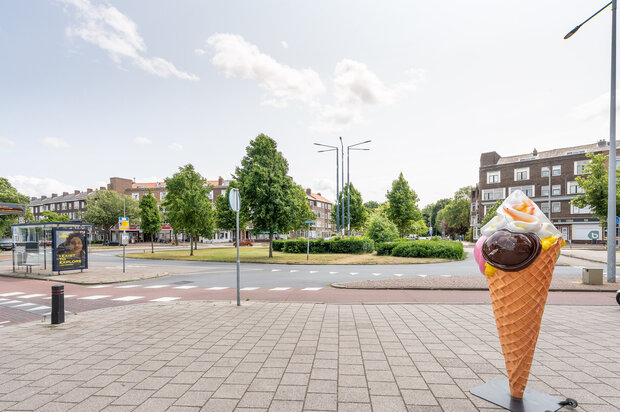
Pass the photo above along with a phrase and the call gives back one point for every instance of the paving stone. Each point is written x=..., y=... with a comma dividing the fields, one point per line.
x=286, y=406
x=290, y=393
x=321, y=402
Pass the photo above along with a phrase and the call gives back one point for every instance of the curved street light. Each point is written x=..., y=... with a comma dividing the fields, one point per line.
x=336, y=149
x=611, y=189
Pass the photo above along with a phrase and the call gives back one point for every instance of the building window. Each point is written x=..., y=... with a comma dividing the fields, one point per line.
x=493, y=194
x=544, y=207
x=64, y=205
x=573, y=188
x=544, y=172
x=76, y=204
x=52, y=208
x=135, y=196
x=493, y=177
x=556, y=207
x=527, y=190
x=580, y=166
x=162, y=195
x=522, y=174
x=556, y=190
x=544, y=191
x=579, y=211
x=556, y=170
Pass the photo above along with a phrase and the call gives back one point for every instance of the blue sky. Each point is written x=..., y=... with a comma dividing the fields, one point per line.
x=92, y=89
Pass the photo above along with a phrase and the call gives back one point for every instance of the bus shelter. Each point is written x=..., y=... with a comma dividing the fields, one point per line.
x=44, y=246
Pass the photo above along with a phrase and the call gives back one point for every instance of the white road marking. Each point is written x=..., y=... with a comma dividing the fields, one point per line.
x=95, y=297
x=275, y=270
x=129, y=298
x=185, y=287
x=39, y=308
x=164, y=299
x=128, y=286
x=249, y=288
x=3, y=299
x=12, y=294
x=398, y=274
x=10, y=302
x=422, y=276
x=35, y=295
x=353, y=273
x=4, y=321
x=443, y=276
x=376, y=274
x=313, y=289
x=313, y=271
x=98, y=286
x=66, y=296
x=279, y=289
x=332, y=273
x=293, y=271
x=156, y=286
x=23, y=304
x=218, y=288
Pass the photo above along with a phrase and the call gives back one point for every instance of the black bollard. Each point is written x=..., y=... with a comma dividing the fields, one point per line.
x=58, y=304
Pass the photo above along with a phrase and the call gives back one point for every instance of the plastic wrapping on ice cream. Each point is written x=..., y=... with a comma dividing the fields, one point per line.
x=520, y=214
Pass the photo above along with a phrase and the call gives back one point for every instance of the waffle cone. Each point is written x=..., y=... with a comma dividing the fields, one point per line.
x=518, y=300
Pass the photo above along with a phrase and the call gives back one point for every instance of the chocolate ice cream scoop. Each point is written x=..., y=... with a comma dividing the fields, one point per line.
x=510, y=251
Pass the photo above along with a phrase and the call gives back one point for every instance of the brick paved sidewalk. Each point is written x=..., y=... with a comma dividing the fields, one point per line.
x=191, y=356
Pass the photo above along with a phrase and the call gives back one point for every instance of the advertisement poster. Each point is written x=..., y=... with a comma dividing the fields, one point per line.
x=69, y=249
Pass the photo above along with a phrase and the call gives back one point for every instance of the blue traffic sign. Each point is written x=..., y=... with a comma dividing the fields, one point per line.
x=617, y=220
x=308, y=221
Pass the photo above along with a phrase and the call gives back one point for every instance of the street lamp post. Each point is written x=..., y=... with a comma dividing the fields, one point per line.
x=334, y=148
x=611, y=189
x=349, y=183
x=348, y=194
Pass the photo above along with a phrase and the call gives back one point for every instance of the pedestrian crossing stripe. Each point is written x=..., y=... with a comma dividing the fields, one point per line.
x=164, y=299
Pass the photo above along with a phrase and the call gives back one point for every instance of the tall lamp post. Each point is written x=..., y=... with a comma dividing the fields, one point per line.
x=344, y=225
x=349, y=183
x=611, y=189
x=331, y=149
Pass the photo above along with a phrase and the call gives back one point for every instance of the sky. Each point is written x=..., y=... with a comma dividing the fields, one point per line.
x=94, y=89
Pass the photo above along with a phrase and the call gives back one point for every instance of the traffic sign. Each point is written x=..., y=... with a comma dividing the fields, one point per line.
x=308, y=221
x=123, y=223
x=234, y=199
x=593, y=234
x=617, y=220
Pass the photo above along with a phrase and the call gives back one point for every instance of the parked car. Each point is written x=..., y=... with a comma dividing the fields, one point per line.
x=246, y=242
x=45, y=243
x=6, y=244
x=114, y=243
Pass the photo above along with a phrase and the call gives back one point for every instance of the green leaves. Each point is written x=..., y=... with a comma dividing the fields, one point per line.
x=358, y=211
x=150, y=217
x=8, y=194
x=402, y=205
x=104, y=207
x=594, y=184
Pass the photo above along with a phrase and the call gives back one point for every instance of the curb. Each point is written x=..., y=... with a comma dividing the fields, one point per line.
x=341, y=286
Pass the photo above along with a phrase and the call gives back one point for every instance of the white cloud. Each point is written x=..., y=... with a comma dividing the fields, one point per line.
x=148, y=179
x=6, y=143
x=596, y=107
x=199, y=52
x=284, y=44
x=237, y=58
x=142, y=140
x=54, y=142
x=175, y=146
x=109, y=29
x=37, y=186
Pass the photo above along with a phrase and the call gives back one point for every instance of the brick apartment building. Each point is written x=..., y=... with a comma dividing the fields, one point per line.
x=67, y=204
x=546, y=177
x=322, y=207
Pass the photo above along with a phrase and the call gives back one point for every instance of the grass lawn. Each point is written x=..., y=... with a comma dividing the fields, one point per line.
x=258, y=254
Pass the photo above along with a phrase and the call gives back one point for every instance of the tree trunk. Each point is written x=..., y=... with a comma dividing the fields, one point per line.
x=152, y=247
x=191, y=249
x=271, y=243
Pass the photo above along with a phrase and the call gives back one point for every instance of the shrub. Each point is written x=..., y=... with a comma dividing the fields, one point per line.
x=338, y=245
x=381, y=229
x=429, y=249
x=278, y=245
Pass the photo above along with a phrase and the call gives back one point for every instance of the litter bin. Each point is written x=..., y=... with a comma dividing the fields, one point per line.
x=592, y=276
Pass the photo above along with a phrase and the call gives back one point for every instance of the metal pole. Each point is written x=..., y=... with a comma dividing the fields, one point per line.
x=549, y=197
x=342, y=205
x=122, y=236
x=611, y=201
x=238, y=293
x=308, y=250
x=348, y=195
x=337, y=192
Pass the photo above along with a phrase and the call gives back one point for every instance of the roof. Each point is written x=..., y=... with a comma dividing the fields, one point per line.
x=316, y=196
x=63, y=198
x=564, y=151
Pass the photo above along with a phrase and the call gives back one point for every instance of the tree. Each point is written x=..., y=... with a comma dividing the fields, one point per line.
x=455, y=215
x=371, y=207
x=8, y=194
x=436, y=207
x=594, y=185
x=381, y=229
x=419, y=227
x=402, y=208
x=272, y=200
x=104, y=207
x=49, y=216
x=150, y=217
x=358, y=211
x=225, y=217
x=187, y=204
x=491, y=212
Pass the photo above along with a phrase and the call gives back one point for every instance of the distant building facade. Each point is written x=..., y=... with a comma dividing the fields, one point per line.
x=548, y=178
x=322, y=226
x=68, y=204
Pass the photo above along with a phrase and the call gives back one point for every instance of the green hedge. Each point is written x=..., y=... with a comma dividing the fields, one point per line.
x=447, y=249
x=338, y=245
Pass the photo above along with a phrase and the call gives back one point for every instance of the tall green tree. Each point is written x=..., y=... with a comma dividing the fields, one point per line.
x=271, y=198
x=381, y=229
x=187, y=204
x=358, y=211
x=455, y=215
x=430, y=214
x=150, y=217
x=8, y=194
x=419, y=227
x=225, y=217
x=104, y=207
x=594, y=184
x=49, y=216
x=403, y=205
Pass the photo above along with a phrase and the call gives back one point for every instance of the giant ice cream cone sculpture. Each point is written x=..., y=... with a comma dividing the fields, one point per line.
x=517, y=251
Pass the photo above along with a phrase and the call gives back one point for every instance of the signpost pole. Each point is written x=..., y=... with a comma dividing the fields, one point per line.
x=308, y=250
x=122, y=236
x=238, y=268
x=234, y=200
